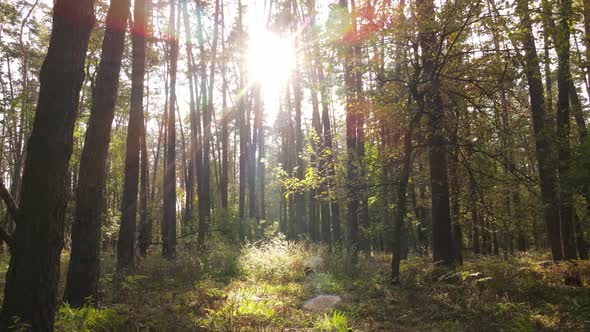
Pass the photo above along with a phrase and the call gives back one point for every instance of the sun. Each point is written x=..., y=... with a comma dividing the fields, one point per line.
x=271, y=59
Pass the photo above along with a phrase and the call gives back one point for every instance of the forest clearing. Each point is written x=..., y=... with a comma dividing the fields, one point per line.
x=294, y=165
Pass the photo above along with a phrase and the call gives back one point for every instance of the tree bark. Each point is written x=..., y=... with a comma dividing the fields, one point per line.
x=84, y=269
x=442, y=243
x=566, y=201
x=205, y=199
x=145, y=222
x=398, y=223
x=542, y=129
x=224, y=192
x=126, y=241
x=30, y=291
x=169, y=219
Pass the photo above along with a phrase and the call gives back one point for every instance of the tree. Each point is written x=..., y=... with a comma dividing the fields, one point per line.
x=351, y=133
x=30, y=291
x=566, y=208
x=224, y=185
x=169, y=218
x=135, y=142
x=543, y=145
x=442, y=244
x=84, y=260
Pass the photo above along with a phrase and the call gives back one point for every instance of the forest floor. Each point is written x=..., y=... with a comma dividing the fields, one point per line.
x=261, y=287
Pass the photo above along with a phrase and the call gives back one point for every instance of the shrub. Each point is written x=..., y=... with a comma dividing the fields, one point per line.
x=337, y=322
x=89, y=319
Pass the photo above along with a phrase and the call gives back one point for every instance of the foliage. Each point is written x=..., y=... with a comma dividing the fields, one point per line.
x=88, y=319
x=336, y=322
x=275, y=260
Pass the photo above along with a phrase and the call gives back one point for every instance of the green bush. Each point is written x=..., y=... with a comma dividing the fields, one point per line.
x=274, y=260
x=89, y=319
x=337, y=322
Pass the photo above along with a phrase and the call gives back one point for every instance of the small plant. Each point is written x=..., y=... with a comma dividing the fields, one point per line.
x=89, y=319
x=274, y=260
x=337, y=322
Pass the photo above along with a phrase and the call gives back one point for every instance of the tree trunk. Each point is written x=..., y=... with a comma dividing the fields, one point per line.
x=126, y=242
x=398, y=223
x=566, y=201
x=30, y=291
x=224, y=192
x=205, y=209
x=300, y=214
x=145, y=222
x=542, y=129
x=442, y=244
x=241, y=122
x=83, y=272
x=169, y=219
x=332, y=204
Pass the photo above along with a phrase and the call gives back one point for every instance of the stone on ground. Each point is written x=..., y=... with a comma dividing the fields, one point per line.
x=321, y=303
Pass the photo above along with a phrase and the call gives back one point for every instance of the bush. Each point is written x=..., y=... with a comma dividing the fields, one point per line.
x=337, y=322
x=89, y=319
x=274, y=260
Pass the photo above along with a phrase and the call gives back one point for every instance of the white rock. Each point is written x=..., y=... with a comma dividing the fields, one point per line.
x=321, y=303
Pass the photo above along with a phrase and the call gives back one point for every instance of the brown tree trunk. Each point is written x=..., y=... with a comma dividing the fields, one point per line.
x=300, y=213
x=241, y=122
x=331, y=205
x=224, y=192
x=442, y=244
x=169, y=219
x=398, y=223
x=194, y=121
x=205, y=199
x=126, y=241
x=30, y=291
x=351, y=137
x=566, y=202
x=83, y=272
x=548, y=180
x=145, y=222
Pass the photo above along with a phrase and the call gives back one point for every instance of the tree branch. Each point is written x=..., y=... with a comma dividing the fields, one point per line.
x=12, y=209
x=7, y=198
x=9, y=239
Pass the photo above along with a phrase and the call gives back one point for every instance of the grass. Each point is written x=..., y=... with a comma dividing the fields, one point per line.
x=261, y=287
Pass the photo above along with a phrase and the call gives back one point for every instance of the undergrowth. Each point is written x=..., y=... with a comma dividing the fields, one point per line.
x=262, y=287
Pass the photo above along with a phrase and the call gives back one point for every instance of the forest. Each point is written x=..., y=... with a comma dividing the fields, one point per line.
x=294, y=165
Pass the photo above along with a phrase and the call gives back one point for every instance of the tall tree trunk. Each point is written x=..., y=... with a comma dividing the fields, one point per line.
x=169, y=219
x=566, y=202
x=205, y=208
x=126, y=242
x=542, y=129
x=30, y=291
x=455, y=187
x=351, y=136
x=195, y=124
x=398, y=223
x=83, y=272
x=224, y=192
x=145, y=222
x=442, y=245
x=300, y=214
x=331, y=205
x=241, y=122
x=258, y=146
x=363, y=199
x=252, y=146
x=586, y=12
